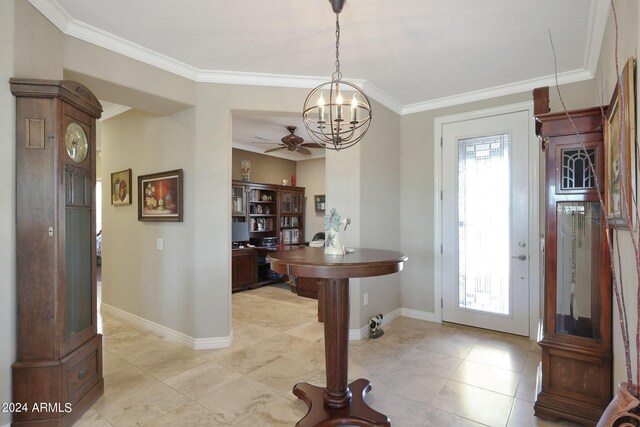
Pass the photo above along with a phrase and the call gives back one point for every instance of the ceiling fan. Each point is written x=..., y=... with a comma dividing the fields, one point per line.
x=293, y=142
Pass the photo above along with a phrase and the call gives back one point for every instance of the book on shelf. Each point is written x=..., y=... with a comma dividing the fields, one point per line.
x=290, y=236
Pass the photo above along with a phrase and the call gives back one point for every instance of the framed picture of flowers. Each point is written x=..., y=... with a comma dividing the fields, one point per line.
x=160, y=196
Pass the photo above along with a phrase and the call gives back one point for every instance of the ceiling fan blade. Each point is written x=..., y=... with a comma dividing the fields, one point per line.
x=264, y=142
x=303, y=150
x=274, y=149
x=311, y=145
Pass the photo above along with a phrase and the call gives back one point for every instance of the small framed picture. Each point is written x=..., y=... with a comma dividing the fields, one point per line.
x=121, y=188
x=160, y=196
x=319, y=201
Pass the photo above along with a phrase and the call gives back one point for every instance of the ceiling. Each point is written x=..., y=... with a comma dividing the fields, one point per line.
x=409, y=55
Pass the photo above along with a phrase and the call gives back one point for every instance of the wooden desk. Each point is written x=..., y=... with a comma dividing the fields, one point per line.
x=338, y=403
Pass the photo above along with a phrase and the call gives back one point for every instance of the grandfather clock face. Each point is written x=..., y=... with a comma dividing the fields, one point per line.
x=76, y=142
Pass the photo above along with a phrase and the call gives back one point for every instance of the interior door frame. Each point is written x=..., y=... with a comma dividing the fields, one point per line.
x=535, y=286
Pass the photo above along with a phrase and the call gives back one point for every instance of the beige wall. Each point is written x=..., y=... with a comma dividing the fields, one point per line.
x=7, y=209
x=418, y=194
x=29, y=47
x=265, y=169
x=310, y=174
x=628, y=14
x=136, y=277
x=380, y=189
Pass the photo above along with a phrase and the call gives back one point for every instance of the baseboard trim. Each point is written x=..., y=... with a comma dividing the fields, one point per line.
x=420, y=315
x=358, y=334
x=168, y=333
x=362, y=333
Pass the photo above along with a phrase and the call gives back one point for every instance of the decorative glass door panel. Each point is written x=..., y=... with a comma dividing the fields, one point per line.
x=297, y=202
x=238, y=200
x=285, y=204
x=483, y=218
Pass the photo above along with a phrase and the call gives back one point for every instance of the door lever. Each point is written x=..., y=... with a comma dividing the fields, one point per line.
x=521, y=257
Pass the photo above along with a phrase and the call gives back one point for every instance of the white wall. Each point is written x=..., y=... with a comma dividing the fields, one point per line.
x=310, y=174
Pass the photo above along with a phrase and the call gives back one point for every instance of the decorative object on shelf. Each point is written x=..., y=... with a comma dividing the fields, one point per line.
x=293, y=180
x=259, y=209
x=333, y=242
x=246, y=170
x=375, y=331
x=267, y=211
x=285, y=182
x=319, y=201
x=620, y=165
x=121, y=188
x=346, y=124
x=160, y=196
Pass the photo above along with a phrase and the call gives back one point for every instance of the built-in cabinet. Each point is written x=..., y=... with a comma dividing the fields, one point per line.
x=244, y=268
x=59, y=352
x=575, y=373
x=271, y=211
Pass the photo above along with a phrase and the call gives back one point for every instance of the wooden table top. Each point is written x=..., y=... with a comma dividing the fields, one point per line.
x=312, y=262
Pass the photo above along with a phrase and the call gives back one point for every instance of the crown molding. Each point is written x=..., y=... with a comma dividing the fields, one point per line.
x=496, y=91
x=113, y=110
x=382, y=97
x=597, y=25
x=53, y=11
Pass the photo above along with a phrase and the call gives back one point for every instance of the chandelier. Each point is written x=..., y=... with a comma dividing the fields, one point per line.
x=332, y=122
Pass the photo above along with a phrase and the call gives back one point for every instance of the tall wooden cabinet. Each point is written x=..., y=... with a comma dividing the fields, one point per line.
x=59, y=352
x=272, y=211
x=576, y=343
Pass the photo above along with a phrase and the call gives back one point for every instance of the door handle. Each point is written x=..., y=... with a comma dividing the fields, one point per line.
x=521, y=257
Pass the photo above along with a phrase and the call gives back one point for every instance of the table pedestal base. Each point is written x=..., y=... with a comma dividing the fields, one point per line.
x=358, y=413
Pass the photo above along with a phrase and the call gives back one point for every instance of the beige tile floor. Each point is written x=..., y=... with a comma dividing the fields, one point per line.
x=423, y=374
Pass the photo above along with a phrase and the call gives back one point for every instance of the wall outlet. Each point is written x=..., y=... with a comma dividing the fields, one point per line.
x=160, y=244
x=366, y=300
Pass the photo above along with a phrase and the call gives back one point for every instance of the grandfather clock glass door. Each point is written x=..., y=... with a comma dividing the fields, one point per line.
x=78, y=250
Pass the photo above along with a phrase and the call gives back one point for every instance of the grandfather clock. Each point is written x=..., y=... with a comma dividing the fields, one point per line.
x=58, y=372
x=575, y=374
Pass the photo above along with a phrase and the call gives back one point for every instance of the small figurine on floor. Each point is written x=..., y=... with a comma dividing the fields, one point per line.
x=375, y=331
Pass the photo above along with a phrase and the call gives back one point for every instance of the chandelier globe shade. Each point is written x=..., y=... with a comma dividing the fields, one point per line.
x=337, y=114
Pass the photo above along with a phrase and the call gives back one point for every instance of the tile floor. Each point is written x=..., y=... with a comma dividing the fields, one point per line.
x=423, y=374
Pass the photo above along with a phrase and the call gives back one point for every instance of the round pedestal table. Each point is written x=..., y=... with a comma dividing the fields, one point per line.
x=338, y=403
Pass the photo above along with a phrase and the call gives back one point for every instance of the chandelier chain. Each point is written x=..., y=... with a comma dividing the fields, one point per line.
x=337, y=75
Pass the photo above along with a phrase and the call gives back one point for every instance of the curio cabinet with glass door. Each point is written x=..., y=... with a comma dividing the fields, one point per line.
x=575, y=374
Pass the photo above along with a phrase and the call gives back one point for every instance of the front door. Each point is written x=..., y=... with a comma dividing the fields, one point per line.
x=485, y=232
